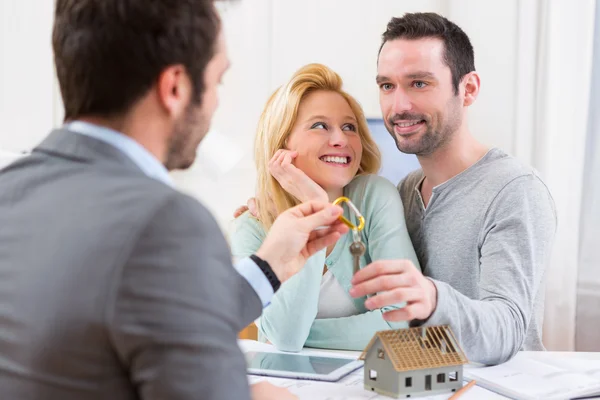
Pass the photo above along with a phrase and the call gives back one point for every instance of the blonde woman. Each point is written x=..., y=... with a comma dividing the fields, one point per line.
x=313, y=143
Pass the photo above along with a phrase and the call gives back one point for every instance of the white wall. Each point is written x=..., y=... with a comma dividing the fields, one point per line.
x=588, y=281
x=27, y=106
x=342, y=34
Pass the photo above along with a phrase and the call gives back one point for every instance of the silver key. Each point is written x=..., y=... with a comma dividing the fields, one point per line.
x=357, y=249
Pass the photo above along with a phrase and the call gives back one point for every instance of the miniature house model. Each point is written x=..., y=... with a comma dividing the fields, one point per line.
x=413, y=362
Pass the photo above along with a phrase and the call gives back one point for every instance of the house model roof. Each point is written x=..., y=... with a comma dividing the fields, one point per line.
x=419, y=348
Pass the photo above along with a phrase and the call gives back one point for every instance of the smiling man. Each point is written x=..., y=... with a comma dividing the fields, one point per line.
x=482, y=223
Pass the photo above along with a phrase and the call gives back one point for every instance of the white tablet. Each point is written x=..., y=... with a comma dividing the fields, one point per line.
x=300, y=366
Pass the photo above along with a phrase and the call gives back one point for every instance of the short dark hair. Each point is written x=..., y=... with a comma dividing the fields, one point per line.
x=458, y=51
x=109, y=53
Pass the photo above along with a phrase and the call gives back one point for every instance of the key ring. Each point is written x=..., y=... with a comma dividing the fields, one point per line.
x=361, y=219
x=355, y=235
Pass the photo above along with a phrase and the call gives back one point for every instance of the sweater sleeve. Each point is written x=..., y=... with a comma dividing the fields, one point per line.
x=516, y=241
x=287, y=320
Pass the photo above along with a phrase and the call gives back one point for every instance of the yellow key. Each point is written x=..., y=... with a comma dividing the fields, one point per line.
x=361, y=219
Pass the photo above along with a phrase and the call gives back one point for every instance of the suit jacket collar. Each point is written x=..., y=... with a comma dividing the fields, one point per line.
x=71, y=145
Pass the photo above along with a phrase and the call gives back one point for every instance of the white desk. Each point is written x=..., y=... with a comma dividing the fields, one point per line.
x=351, y=387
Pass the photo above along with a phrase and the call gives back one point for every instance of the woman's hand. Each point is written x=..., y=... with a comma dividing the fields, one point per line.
x=294, y=180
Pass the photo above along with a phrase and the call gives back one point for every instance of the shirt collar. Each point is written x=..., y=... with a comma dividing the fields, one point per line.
x=132, y=149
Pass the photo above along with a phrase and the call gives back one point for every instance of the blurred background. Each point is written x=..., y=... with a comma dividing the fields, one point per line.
x=540, y=72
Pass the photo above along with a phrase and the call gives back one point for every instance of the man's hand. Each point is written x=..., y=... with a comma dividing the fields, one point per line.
x=267, y=391
x=294, y=180
x=294, y=236
x=396, y=281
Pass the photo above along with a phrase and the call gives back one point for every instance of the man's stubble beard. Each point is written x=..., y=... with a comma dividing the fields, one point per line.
x=431, y=140
x=187, y=135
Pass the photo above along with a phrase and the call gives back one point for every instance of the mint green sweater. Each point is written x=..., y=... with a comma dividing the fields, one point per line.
x=289, y=321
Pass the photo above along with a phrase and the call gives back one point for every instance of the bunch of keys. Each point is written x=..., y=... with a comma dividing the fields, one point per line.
x=357, y=248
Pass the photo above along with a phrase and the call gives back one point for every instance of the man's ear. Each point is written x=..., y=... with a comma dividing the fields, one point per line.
x=174, y=90
x=471, y=86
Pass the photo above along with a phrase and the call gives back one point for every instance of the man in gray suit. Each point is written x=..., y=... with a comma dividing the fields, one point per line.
x=114, y=285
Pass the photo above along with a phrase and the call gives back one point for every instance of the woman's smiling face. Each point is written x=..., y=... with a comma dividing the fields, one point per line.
x=326, y=138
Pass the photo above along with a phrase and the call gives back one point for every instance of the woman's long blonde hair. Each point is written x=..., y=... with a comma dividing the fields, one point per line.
x=275, y=126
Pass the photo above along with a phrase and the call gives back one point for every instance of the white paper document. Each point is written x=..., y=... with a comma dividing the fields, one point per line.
x=541, y=376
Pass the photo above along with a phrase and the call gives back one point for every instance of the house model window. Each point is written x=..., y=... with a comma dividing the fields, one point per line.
x=381, y=354
x=373, y=375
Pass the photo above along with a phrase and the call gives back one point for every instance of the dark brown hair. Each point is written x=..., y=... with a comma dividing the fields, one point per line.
x=458, y=51
x=109, y=53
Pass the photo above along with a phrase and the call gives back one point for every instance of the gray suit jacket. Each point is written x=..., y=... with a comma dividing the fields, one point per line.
x=112, y=284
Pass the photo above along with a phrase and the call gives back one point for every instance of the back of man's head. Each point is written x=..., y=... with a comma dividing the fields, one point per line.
x=458, y=51
x=109, y=53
